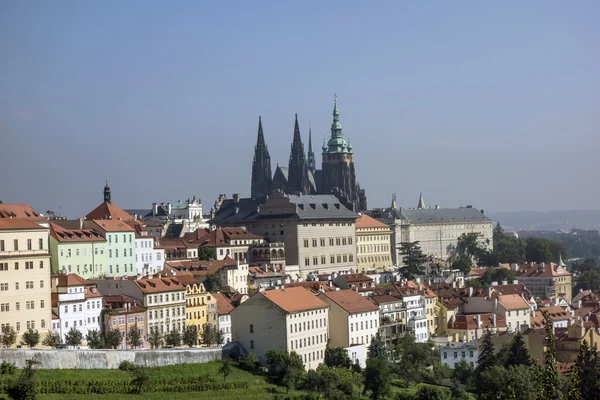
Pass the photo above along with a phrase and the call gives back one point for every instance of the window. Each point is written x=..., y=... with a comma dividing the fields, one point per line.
x=41, y=264
x=323, y=260
x=18, y=306
x=41, y=283
x=41, y=243
x=350, y=240
x=29, y=285
x=456, y=354
x=1, y=245
x=4, y=307
x=252, y=344
x=337, y=241
x=307, y=261
x=445, y=355
x=16, y=244
x=251, y=328
x=322, y=242
x=344, y=241
x=315, y=261
x=305, y=242
x=331, y=241
x=332, y=259
x=314, y=242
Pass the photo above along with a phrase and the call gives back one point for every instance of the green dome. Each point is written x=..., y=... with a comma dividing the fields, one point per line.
x=337, y=145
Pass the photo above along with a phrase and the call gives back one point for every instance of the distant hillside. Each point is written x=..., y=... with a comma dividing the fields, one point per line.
x=548, y=220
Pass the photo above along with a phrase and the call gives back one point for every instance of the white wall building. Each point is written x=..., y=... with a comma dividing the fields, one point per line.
x=353, y=322
x=148, y=258
x=455, y=352
x=416, y=319
x=291, y=319
x=77, y=303
x=120, y=245
x=224, y=308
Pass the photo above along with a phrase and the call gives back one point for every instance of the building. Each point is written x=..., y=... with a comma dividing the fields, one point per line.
x=361, y=283
x=120, y=246
x=24, y=275
x=291, y=319
x=224, y=308
x=125, y=319
x=225, y=242
x=178, y=249
x=373, y=244
x=76, y=250
x=195, y=301
x=301, y=176
x=465, y=328
x=544, y=280
x=560, y=317
x=515, y=311
x=353, y=322
x=392, y=321
x=412, y=309
x=268, y=255
x=77, y=303
x=436, y=229
x=265, y=277
x=149, y=259
x=455, y=352
x=108, y=210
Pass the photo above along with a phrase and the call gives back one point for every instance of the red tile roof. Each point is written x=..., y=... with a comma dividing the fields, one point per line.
x=384, y=299
x=112, y=225
x=293, y=300
x=109, y=211
x=74, y=235
x=539, y=270
x=219, y=237
x=312, y=286
x=224, y=306
x=512, y=302
x=159, y=285
x=350, y=301
x=364, y=221
x=201, y=267
x=18, y=224
x=20, y=211
x=464, y=322
x=69, y=280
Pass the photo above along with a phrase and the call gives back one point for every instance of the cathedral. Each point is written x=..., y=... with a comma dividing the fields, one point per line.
x=301, y=176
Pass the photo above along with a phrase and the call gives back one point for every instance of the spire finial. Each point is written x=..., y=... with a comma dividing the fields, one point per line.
x=335, y=97
x=421, y=201
x=107, y=192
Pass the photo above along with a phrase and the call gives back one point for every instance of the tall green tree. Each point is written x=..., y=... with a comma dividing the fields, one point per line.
x=206, y=253
x=113, y=338
x=226, y=368
x=212, y=283
x=190, y=336
x=30, y=338
x=550, y=386
x=588, y=371
x=173, y=338
x=587, y=265
x=24, y=387
x=8, y=335
x=462, y=372
x=284, y=368
x=415, y=358
x=538, y=250
x=337, y=357
x=486, y=359
x=378, y=378
x=413, y=258
x=73, y=337
x=134, y=339
x=94, y=339
x=52, y=339
x=463, y=263
x=575, y=383
x=589, y=280
x=432, y=393
x=509, y=249
x=155, y=338
x=497, y=234
x=377, y=348
x=518, y=353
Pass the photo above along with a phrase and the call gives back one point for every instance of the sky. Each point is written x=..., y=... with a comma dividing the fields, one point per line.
x=493, y=104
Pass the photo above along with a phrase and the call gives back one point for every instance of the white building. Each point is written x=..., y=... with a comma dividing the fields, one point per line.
x=455, y=352
x=290, y=319
x=149, y=259
x=353, y=322
x=416, y=319
x=224, y=308
x=77, y=303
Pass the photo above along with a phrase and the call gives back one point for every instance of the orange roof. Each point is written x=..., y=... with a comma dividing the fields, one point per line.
x=20, y=211
x=74, y=235
x=312, y=286
x=556, y=313
x=109, y=211
x=18, y=223
x=385, y=298
x=224, y=306
x=70, y=280
x=351, y=301
x=364, y=221
x=112, y=225
x=470, y=321
x=200, y=267
x=159, y=285
x=512, y=301
x=219, y=236
x=541, y=270
x=293, y=300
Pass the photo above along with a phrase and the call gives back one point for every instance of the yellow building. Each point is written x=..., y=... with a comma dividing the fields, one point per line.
x=373, y=244
x=196, y=301
x=544, y=280
x=24, y=275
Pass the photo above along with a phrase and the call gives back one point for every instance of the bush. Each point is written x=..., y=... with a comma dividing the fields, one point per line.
x=7, y=368
x=249, y=363
x=127, y=366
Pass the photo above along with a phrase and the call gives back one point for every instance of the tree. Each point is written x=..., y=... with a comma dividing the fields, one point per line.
x=8, y=335
x=333, y=383
x=23, y=388
x=249, y=363
x=462, y=372
x=486, y=358
x=518, y=353
x=497, y=275
x=226, y=368
x=206, y=253
x=377, y=378
x=510, y=249
x=575, y=383
x=432, y=393
x=414, y=358
x=588, y=371
x=134, y=339
x=211, y=335
x=173, y=338
x=550, y=388
x=113, y=338
x=285, y=368
x=190, y=336
x=52, y=339
x=498, y=234
x=586, y=265
x=377, y=348
x=463, y=263
x=589, y=280
x=538, y=250
x=413, y=259
x=212, y=283
x=141, y=377
x=155, y=338
x=513, y=383
x=73, y=337
x=337, y=357
x=94, y=339
x=30, y=338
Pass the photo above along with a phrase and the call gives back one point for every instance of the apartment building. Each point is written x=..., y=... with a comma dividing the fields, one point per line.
x=373, y=244
x=77, y=303
x=454, y=352
x=195, y=300
x=291, y=319
x=127, y=319
x=120, y=246
x=545, y=280
x=24, y=275
x=392, y=314
x=76, y=250
x=470, y=327
x=413, y=306
x=224, y=308
x=353, y=322
x=149, y=259
x=226, y=242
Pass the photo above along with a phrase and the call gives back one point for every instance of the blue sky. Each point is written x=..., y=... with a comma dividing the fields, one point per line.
x=491, y=104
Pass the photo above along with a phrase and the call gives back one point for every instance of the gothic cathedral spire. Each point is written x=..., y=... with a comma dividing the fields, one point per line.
x=311, y=155
x=261, y=166
x=298, y=169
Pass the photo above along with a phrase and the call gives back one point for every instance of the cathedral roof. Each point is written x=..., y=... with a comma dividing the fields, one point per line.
x=312, y=178
x=231, y=212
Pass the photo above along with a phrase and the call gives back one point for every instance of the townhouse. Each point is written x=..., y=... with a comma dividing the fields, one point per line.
x=149, y=259
x=361, y=283
x=454, y=352
x=196, y=300
x=465, y=328
x=353, y=322
x=120, y=246
x=226, y=242
x=373, y=244
x=545, y=280
x=74, y=249
x=291, y=319
x=224, y=308
x=125, y=315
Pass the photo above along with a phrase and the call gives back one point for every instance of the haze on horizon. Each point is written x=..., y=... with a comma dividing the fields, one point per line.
x=490, y=104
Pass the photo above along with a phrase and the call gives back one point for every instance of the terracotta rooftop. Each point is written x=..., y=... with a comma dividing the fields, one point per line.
x=8, y=211
x=220, y=236
x=112, y=225
x=313, y=286
x=64, y=235
x=556, y=313
x=540, y=270
x=18, y=224
x=109, y=211
x=224, y=306
x=384, y=299
x=159, y=285
x=464, y=322
x=201, y=267
x=364, y=221
x=351, y=301
x=293, y=300
x=512, y=302
x=69, y=280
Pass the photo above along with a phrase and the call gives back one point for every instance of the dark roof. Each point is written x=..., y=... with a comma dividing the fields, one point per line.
x=231, y=212
x=312, y=207
x=442, y=215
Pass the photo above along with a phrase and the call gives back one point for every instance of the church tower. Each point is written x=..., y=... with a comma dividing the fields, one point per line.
x=106, y=192
x=298, y=168
x=261, y=167
x=338, y=164
x=312, y=167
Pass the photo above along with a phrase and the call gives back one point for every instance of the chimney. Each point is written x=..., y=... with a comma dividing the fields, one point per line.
x=542, y=265
x=515, y=282
x=514, y=267
x=80, y=223
x=490, y=291
x=236, y=197
x=478, y=321
x=494, y=283
x=470, y=291
x=494, y=319
x=482, y=211
x=169, y=208
x=453, y=320
x=505, y=282
x=56, y=282
x=154, y=208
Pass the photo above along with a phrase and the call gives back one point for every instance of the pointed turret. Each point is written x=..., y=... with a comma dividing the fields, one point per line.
x=336, y=126
x=421, y=201
x=107, y=192
x=261, y=166
x=311, y=155
x=298, y=168
x=394, y=204
x=561, y=262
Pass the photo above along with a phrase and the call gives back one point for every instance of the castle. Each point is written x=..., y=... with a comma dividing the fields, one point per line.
x=337, y=175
